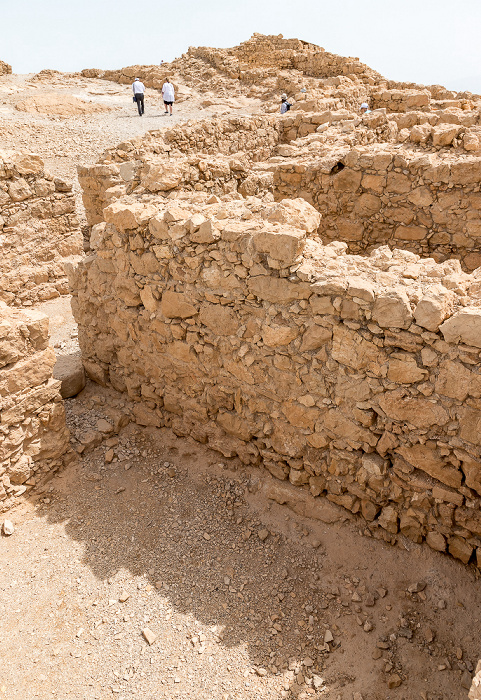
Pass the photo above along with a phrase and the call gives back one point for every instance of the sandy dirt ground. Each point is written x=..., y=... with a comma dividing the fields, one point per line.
x=244, y=597
x=154, y=568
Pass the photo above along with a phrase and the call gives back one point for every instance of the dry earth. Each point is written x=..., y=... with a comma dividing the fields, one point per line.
x=66, y=140
x=240, y=592
x=244, y=598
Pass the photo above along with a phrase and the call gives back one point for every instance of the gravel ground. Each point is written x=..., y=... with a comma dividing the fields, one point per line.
x=151, y=534
x=65, y=142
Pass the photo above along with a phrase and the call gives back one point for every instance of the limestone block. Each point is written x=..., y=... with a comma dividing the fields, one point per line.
x=342, y=427
x=161, y=177
x=148, y=299
x=19, y=190
x=470, y=425
x=388, y=519
x=347, y=180
x=21, y=470
x=206, y=233
x=436, y=541
x=294, y=212
x=275, y=336
x=175, y=305
x=127, y=215
x=470, y=141
x=219, y=319
x=420, y=133
x=315, y=337
x=30, y=372
x=392, y=310
x=278, y=290
x=475, y=690
x=361, y=288
x=460, y=549
x=418, y=412
x=234, y=425
x=350, y=349
x=429, y=461
x=70, y=372
x=434, y=307
x=464, y=326
x=28, y=164
x=405, y=371
x=444, y=134
x=283, y=246
x=456, y=381
x=472, y=473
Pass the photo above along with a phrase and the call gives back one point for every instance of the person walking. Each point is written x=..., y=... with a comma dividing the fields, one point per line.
x=138, y=88
x=168, y=95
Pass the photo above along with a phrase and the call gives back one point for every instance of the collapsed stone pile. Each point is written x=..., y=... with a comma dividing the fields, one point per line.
x=34, y=440
x=39, y=230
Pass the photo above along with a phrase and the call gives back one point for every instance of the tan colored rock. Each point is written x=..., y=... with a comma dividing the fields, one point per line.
x=315, y=337
x=434, y=307
x=68, y=369
x=283, y=246
x=418, y=412
x=161, y=177
x=294, y=212
x=392, y=310
x=464, y=326
x=429, y=461
x=174, y=305
x=219, y=319
x=444, y=134
x=274, y=335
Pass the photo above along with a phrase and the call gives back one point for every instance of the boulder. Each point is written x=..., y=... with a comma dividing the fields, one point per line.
x=70, y=372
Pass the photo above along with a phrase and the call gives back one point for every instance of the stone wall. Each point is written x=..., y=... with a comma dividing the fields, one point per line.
x=34, y=440
x=422, y=198
x=176, y=158
x=38, y=230
x=356, y=378
x=423, y=202
x=5, y=69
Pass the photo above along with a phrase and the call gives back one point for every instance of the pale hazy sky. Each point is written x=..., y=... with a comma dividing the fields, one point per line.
x=424, y=41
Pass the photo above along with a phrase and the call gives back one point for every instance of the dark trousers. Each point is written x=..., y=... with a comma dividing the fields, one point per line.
x=139, y=98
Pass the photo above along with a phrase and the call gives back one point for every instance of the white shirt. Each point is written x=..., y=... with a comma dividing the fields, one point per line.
x=138, y=87
x=168, y=92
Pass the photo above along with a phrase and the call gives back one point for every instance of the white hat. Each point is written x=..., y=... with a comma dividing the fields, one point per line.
x=364, y=105
x=137, y=79
x=283, y=96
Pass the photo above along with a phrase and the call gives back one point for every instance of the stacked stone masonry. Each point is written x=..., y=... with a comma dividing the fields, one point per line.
x=34, y=440
x=356, y=378
x=39, y=230
x=426, y=200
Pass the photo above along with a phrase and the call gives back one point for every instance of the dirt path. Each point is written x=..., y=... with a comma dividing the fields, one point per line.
x=243, y=595
x=67, y=141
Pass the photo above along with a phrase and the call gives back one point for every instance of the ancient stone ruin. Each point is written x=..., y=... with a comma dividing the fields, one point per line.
x=302, y=291
x=39, y=230
x=219, y=306
x=34, y=440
